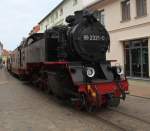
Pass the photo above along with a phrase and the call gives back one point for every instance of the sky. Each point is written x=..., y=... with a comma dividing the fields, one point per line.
x=18, y=17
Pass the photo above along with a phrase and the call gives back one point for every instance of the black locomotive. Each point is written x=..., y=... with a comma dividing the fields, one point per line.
x=70, y=61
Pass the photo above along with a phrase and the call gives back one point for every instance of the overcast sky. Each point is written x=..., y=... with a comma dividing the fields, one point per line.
x=17, y=17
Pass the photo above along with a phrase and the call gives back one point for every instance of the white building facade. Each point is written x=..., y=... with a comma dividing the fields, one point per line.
x=128, y=23
x=66, y=7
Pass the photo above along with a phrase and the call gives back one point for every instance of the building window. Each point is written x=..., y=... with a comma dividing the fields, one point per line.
x=141, y=7
x=125, y=10
x=75, y=2
x=46, y=27
x=56, y=15
x=100, y=16
x=136, y=58
x=61, y=11
x=47, y=21
x=52, y=19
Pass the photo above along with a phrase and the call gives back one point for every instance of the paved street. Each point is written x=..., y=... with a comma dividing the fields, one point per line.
x=140, y=88
x=25, y=108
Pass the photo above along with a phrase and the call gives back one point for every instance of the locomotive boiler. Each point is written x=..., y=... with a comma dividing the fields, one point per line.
x=69, y=61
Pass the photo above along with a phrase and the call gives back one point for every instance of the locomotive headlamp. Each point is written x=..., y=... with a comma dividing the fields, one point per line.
x=119, y=70
x=90, y=72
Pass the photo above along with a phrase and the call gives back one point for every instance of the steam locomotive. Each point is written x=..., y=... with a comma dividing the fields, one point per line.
x=69, y=61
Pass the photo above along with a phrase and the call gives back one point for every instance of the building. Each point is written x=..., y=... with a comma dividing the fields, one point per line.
x=5, y=55
x=35, y=29
x=58, y=14
x=128, y=23
x=1, y=48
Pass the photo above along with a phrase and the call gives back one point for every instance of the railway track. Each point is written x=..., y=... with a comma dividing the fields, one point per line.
x=124, y=121
x=129, y=115
x=105, y=121
x=120, y=121
x=148, y=98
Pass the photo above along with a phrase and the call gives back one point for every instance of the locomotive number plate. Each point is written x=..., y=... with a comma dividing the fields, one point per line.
x=93, y=37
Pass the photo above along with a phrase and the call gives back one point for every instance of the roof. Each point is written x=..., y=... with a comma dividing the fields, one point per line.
x=52, y=11
x=5, y=52
x=96, y=2
x=88, y=6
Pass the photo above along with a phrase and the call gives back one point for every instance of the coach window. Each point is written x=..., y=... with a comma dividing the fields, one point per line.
x=141, y=7
x=125, y=5
x=136, y=58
